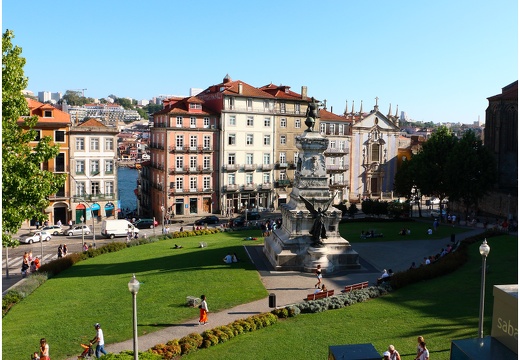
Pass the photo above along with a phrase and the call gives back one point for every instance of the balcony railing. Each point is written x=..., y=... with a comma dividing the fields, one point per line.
x=231, y=187
x=93, y=197
x=266, y=167
x=249, y=187
x=266, y=186
x=283, y=183
x=282, y=165
x=338, y=184
x=336, y=151
x=250, y=167
x=336, y=168
x=230, y=167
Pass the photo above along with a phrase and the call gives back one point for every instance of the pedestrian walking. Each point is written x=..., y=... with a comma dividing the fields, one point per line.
x=394, y=354
x=70, y=224
x=203, y=319
x=100, y=339
x=60, y=251
x=65, y=250
x=318, y=276
x=44, y=350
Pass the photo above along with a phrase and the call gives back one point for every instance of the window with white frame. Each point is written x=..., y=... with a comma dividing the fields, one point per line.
x=80, y=144
x=249, y=104
x=179, y=163
x=232, y=140
x=267, y=139
x=231, y=103
x=332, y=129
x=94, y=167
x=80, y=188
x=193, y=142
x=231, y=159
x=332, y=144
x=193, y=183
x=323, y=127
x=231, y=179
x=206, y=123
x=109, y=187
x=37, y=136
x=297, y=108
x=341, y=145
x=283, y=139
x=341, y=161
x=179, y=184
x=282, y=107
x=282, y=175
x=283, y=158
x=296, y=155
x=80, y=166
x=232, y=120
x=59, y=136
x=207, y=162
x=193, y=121
x=109, y=166
x=332, y=161
x=179, y=142
x=249, y=139
x=193, y=163
x=375, y=152
x=266, y=104
x=249, y=178
x=267, y=122
x=267, y=178
x=340, y=129
x=283, y=122
x=207, y=142
x=94, y=144
x=297, y=123
x=179, y=121
x=207, y=182
x=249, y=159
x=250, y=121
x=267, y=159
x=109, y=144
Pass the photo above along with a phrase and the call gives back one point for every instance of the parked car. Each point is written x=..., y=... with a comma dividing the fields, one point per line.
x=239, y=221
x=53, y=229
x=146, y=223
x=253, y=215
x=207, y=220
x=34, y=236
x=78, y=230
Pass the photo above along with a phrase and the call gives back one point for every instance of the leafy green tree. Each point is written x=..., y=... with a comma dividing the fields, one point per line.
x=404, y=179
x=125, y=103
x=471, y=170
x=352, y=210
x=25, y=186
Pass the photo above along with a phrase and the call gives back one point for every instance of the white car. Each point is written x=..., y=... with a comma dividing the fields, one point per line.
x=34, y=236
x=78, y=230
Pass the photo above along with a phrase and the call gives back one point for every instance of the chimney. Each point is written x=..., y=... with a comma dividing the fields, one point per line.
x=240, y=88
x=304, y=92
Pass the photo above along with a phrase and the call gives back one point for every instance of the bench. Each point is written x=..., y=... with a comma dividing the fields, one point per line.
x=357, y=286
x=320, y=295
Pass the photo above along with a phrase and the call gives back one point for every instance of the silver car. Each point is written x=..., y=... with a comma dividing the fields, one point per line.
x=53, y=229
x=78, y=230
x=34, y=236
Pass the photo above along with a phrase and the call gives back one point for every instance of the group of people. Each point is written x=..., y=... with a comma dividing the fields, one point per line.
x=62, y=250
x=229, y=259
x=29, y=264
x=269, y=226
x=405, y=231
x=385, y=276
x=427, y=260
x=43, y=353
x=422, y=352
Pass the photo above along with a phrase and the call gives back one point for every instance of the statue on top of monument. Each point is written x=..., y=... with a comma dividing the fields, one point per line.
x=318, y=230
x=312, y=114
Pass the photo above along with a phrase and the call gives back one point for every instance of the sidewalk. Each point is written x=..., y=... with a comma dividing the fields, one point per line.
x=292, y=287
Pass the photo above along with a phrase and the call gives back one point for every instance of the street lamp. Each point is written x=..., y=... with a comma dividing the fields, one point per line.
x=246, y=214
x=133, y=286
x=484, y=251
x=82, y=232
x=162, y=218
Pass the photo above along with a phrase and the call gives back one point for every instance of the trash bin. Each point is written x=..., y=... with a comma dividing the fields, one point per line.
x=272, y=300
x=452, y=238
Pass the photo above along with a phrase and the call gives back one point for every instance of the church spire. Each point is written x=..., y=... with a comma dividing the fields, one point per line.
x=397, y=111
x=361, y=108
x=376, y=107
x=352, y=112
x=346, y=108
x=390, y=111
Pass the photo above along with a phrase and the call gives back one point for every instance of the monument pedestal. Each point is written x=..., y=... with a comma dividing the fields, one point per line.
x=292, y=247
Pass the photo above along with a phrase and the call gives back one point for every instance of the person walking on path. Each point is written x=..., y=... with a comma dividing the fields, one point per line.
x=318, y=276
x=60, y=251
x=425, y=353
x=203, y=319
x=100, y=339
x=420, y=339
x=44, y=350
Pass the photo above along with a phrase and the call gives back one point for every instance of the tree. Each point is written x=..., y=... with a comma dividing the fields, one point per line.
x=25, y=186
x=404, y=179
x=471, y=170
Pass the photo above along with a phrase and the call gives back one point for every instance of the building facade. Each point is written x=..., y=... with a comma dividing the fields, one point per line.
x=93, y=172
x=183, y=159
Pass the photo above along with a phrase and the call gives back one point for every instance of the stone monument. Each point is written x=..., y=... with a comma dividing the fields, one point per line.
x=309, y=234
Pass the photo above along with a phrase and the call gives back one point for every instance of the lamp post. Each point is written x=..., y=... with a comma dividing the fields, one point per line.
x=41, y=246
x=162, y=218
x=133, y=286
x=484, y=251
x=82, y=232
x=246, y=214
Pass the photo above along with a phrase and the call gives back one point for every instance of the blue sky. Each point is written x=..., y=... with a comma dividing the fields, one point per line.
x=438, y=60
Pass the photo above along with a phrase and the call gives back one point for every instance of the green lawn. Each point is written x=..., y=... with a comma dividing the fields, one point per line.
x=64, y=308
x=441, y=310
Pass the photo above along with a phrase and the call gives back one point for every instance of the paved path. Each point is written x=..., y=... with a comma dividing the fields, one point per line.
x=292, y=287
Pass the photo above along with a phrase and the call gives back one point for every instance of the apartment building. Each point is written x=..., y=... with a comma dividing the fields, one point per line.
x=337, y=156
x=183, y=159
x=247, y=144
x=93, y=172
x=56, y=125
x=289, y=122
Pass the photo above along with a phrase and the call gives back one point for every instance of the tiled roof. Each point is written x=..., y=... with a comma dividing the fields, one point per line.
x=326, y=115
x=230, y=87
x=180, y=106
x=283, y=92
x=37, y=108
x=91, y=123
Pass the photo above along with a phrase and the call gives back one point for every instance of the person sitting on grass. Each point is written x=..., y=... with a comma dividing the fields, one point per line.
x=228, y=259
